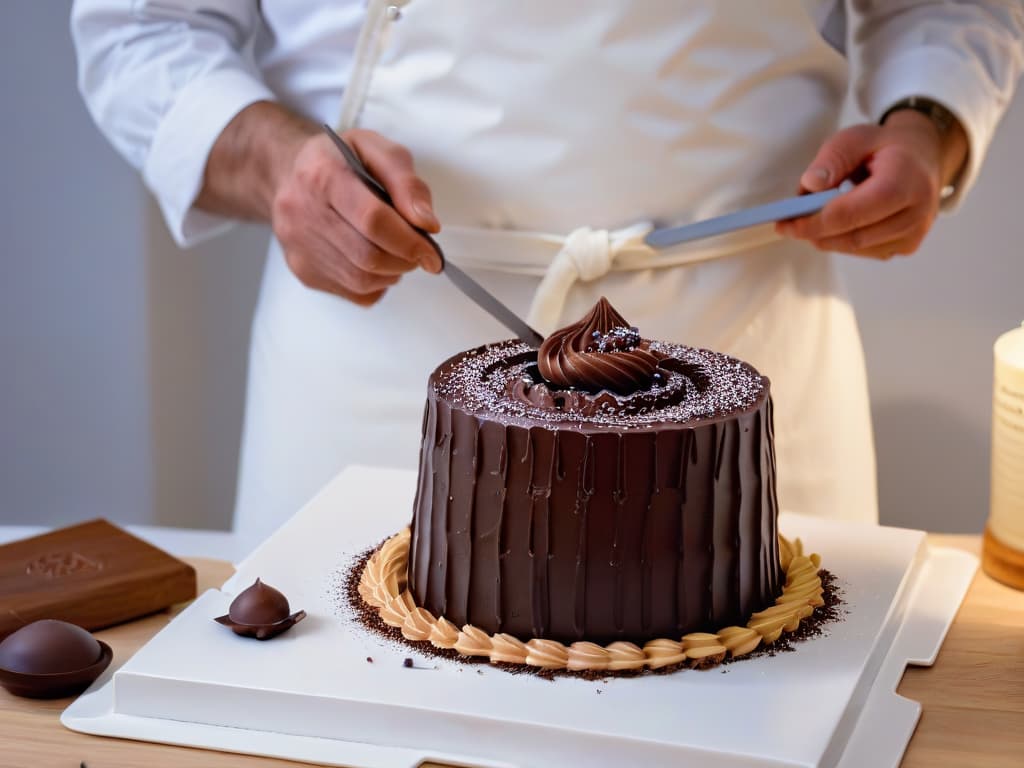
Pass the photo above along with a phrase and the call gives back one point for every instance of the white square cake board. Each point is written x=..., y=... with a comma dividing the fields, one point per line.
x=311, y=694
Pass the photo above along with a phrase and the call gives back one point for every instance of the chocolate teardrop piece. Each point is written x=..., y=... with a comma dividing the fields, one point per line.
x=259, y=605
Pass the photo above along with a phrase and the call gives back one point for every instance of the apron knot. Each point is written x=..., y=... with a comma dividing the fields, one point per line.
x=586, y=254
x=589, y=251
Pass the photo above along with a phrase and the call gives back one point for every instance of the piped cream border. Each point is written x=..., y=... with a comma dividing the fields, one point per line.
x=382, y=585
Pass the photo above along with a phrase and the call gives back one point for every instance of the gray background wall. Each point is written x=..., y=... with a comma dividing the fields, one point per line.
x=122, y=359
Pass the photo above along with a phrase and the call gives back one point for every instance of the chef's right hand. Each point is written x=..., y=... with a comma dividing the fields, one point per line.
x=337, y=236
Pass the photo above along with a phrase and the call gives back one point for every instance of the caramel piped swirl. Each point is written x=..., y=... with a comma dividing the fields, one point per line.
x=601, y=351
x=802, y=593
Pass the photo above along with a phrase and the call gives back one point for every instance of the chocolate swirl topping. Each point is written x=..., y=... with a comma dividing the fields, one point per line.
x=601, y=351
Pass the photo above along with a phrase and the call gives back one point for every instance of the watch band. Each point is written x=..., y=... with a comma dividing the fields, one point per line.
x=944, y=119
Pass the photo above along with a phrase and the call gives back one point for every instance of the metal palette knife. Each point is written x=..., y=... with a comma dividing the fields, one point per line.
x=780, y=210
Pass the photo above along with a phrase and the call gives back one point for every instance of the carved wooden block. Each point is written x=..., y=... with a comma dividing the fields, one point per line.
x=93, y=574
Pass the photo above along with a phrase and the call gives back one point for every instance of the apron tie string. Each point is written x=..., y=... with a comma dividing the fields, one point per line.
x=587, y=254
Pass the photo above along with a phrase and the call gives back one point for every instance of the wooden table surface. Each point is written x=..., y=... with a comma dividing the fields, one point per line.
x=973, y=697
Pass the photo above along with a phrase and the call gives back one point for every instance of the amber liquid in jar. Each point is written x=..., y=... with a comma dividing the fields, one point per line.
x=1003, y=552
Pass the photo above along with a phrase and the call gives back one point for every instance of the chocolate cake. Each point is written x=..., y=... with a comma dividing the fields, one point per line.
x=604, y=488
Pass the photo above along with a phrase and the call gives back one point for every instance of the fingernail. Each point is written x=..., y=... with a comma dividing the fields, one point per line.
x=427, y=217
x=816, y=178
x=429, y=259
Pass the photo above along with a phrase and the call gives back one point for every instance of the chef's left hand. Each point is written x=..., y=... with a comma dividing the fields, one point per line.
x=907, y=163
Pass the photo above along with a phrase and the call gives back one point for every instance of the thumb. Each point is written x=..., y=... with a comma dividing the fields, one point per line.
x=392, y=164
x=839, y=157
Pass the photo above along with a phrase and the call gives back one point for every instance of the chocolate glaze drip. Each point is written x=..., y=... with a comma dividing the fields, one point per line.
x=599, y=352
x=621, y=530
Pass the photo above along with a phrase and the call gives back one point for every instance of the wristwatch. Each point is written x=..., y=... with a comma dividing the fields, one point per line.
x=944, y=119
x=941, y=118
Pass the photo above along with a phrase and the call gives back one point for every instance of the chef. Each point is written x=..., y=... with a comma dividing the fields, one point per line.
x=548, y=138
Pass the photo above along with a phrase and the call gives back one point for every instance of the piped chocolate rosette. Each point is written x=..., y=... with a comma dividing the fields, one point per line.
x=602, y=365
x=601, y=351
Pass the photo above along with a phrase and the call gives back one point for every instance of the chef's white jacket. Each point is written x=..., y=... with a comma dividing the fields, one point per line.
x=162, y=78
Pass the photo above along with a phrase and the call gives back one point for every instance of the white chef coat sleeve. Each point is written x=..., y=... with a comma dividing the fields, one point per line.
x=965, y=55
x=162, y=78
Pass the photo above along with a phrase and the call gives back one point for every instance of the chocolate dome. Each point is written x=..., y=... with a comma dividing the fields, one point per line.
x=49, y=647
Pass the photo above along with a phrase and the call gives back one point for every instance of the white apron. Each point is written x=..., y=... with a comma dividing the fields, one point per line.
x=552, y=136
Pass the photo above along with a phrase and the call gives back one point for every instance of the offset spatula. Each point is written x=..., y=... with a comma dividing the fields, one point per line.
x=780, y=210
x=476, y=292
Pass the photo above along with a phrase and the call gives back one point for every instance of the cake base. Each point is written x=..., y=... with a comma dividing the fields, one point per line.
x=383, y=587
x=311, y=694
